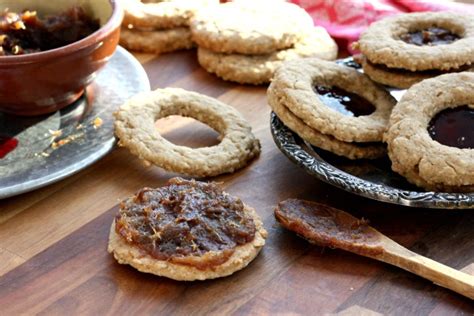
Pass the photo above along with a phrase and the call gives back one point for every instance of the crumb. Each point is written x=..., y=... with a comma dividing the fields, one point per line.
x=97, y=122
x=56, y=133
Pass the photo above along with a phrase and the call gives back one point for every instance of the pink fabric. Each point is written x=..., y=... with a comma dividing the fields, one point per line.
x=346, y=19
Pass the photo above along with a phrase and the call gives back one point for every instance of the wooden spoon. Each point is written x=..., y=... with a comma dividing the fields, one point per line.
x=330, y=227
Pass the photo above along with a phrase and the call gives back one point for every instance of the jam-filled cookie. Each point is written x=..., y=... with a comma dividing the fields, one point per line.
x=334, y=99
x=332, y=107
x=186, y=230
x=259, y=69
x=320, y=140
x=250, y=27
x=431, y=136
x=405, y=49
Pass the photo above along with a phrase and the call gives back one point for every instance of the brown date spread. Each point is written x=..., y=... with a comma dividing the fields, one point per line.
x=345, y=102
x=454, y=127
x=328, y=227
x=185, y=218
x=25, y=33
x=432, y=36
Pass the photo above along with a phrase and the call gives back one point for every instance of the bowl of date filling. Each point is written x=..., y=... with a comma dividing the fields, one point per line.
x=51, y=50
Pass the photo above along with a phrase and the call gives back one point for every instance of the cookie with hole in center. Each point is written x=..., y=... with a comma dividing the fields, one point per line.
x=186, y=230
x=250, y=27
x=135, y=128
x=420, y=41
x=320, y=140
x=431, y=137
x=334, y=99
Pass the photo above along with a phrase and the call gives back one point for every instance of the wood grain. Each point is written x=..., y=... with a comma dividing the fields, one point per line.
x=53, y=241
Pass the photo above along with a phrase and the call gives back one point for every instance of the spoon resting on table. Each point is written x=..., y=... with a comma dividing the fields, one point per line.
x=330, y=227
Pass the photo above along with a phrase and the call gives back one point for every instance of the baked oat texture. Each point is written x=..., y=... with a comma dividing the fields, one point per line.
x=381, y=43
x=156, y=42
x=414, y=154
x=162, y=14
x=293, y=84
x=135, y=127
x=397, y=78
x=250, y=27
x=242, y=256
x=259, y=69
x=323, y=141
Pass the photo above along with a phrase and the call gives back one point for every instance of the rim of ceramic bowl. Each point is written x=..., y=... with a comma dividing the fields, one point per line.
x=112, y=23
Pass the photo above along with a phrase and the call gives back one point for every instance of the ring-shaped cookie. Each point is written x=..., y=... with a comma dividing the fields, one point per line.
x=413, y=152
x=381, y=42
x=323, y=141
x=135, y=127
x=294, y=84
x=161, y=14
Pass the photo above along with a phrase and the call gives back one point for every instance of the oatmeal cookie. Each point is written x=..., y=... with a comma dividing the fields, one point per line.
x=166, y=231
x=259, y=69
x=250, y=27
x=427, y=153
x=397, y=78
x=162, y=14
x=156, y=41
x=323, y=141
x=135, y=127
x=420, y=41
x=296, y=83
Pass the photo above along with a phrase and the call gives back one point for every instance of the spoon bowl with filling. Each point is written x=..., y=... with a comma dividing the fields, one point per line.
x=46, y=71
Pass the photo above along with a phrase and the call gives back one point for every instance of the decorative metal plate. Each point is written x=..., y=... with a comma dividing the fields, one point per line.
x=37, y=151
x=373, y=179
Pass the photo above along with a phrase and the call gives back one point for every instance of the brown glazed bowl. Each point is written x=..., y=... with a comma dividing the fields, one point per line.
x=44, y=82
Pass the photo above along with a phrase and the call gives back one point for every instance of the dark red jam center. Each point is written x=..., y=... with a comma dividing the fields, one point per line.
x=24, y=33
x=7, y=145
x=432, y=36
x=454, y=127
x=345, y=102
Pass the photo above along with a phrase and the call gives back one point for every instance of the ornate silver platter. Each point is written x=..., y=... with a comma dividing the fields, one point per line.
x=373, y=179
x=37, y=151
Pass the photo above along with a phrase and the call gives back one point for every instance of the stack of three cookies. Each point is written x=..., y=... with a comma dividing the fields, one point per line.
x=245, y=41
x=332, y=107
x=159, y=26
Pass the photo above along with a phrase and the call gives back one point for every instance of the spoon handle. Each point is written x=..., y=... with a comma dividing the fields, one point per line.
x=330, y=227
x=434, y=271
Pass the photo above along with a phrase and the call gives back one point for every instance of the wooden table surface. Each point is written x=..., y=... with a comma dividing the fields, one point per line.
x=53, y=257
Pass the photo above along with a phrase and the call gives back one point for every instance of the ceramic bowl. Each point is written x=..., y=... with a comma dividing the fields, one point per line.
x=44, y=82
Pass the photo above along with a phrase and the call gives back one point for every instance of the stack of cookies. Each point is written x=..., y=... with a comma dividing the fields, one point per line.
x=245, y=41
x=405, y=49
x=159, y=26
x=332, y=107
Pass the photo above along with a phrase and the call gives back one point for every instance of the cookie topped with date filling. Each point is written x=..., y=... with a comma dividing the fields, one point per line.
x=186, y=230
